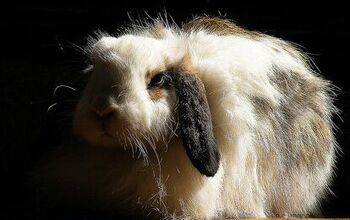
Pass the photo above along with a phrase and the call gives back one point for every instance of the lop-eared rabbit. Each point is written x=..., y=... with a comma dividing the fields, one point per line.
x=207, y=120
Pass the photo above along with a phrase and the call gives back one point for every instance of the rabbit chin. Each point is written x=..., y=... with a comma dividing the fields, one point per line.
x=98, y=137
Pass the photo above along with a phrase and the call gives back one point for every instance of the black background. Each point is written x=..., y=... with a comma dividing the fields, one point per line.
x=38, y=53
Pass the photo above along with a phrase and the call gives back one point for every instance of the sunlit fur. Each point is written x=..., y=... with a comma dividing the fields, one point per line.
x=271, y=115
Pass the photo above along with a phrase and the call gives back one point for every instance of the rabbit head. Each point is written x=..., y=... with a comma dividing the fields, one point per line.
x=140, y=93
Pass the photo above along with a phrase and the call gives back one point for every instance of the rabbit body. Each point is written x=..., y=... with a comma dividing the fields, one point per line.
x=270, y=114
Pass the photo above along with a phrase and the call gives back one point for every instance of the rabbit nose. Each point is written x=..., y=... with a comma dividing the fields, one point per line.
x=105, y=113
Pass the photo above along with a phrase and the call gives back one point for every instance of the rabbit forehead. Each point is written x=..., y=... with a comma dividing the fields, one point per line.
x=139, y=53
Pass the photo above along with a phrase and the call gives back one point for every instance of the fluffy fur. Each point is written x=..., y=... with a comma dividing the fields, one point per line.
x=270, y=114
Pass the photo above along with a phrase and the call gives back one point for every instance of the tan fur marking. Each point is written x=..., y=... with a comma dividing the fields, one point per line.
x=217, y=25
x=250, y=162
x=312, y=140
x=155, y=94
x=184, y=65
x=157, y=30
x=262, y=106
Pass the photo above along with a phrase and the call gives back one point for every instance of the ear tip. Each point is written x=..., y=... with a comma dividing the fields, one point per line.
x=211, y=171
x=212, y=167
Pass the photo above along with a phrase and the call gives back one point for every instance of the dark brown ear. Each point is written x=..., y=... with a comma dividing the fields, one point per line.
x=195, y=123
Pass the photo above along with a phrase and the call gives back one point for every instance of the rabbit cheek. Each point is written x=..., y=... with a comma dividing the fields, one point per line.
x=82, y=126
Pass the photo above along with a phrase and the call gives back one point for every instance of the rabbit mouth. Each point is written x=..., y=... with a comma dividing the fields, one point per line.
x=105, y=134
x=109, y=137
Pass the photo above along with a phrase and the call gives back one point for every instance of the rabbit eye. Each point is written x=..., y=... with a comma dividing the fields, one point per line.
x=160, y=80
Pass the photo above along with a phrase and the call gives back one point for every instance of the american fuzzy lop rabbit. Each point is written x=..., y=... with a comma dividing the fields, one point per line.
x=207, y=120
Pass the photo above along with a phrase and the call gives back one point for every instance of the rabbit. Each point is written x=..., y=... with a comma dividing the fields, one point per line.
x=207, y=120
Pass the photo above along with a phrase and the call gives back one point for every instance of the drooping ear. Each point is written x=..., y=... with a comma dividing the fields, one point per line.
x=195, y=123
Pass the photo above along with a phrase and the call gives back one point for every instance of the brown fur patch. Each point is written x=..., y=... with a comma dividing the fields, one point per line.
x=184, y=65
x=299, y=91
x=155, y=94
x=218, y=26
x=262, y=106
x=312, y=138
x=307, y=134
x=157, y=30
x=250, y=162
